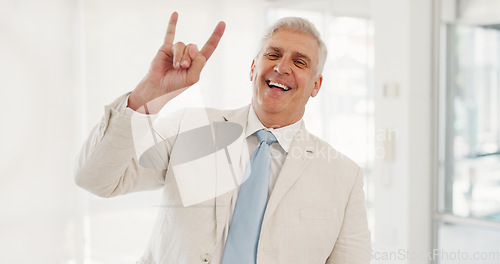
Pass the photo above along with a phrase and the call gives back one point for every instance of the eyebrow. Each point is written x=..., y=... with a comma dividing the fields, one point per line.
x=302, y=56
x=280, y=50
x=297, y=54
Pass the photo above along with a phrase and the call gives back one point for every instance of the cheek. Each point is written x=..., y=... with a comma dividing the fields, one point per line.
x=255, y=85
x=308, y=89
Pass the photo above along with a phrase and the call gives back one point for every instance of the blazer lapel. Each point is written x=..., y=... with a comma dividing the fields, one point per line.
x=294, y=166
x=223, y=202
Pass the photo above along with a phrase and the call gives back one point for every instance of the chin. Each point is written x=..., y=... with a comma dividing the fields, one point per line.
x=270, y=105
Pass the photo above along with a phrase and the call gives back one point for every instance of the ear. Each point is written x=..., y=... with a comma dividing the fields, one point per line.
x=317, y=85
x=252, y=70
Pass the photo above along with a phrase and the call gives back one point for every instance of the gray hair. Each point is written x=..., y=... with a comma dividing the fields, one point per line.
x=300, y=25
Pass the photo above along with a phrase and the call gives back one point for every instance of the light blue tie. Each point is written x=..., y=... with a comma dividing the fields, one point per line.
x=244, y=232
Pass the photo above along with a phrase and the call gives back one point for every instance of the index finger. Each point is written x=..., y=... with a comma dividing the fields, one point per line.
x=170, y=35
x=213, y=41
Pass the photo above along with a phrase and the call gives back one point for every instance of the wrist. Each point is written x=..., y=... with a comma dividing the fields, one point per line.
x=149, y=101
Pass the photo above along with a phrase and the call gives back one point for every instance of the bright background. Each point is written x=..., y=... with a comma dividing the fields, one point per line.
x=388, y=101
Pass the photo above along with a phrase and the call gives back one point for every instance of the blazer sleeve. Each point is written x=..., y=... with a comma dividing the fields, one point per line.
x=108, y=165
x=353, y=245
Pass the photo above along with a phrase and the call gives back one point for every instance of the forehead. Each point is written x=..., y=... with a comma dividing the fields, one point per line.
x=293, y=42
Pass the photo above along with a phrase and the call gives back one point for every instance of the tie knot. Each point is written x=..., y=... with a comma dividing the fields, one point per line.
x=266, y=136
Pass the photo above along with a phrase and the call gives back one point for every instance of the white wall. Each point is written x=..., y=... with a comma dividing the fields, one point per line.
x=38, y=131
x=478, y=11
x=403, y=203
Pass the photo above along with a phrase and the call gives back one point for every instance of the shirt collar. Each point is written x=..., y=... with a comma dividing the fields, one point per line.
x=284, y=135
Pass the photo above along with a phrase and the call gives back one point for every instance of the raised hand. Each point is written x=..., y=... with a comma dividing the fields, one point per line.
x=174, y=68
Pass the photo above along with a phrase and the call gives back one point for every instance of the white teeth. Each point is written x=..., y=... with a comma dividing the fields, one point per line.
x=284, y=87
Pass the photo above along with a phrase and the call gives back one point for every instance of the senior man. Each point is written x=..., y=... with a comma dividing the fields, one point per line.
x=295, y=200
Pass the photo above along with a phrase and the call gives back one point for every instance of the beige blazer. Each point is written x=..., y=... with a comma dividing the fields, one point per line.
x=315, y=214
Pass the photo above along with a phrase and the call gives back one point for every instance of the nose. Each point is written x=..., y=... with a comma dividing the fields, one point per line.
x=282, y=66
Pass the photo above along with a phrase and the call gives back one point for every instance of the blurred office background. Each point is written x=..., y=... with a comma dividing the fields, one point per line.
x=411, y=93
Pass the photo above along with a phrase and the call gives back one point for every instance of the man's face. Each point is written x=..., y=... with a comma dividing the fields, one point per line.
x=284, y=76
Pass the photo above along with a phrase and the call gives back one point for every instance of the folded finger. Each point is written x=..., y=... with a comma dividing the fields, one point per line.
x=193, y=51
x=186, y=56
x=195, y=70
x=178, y=51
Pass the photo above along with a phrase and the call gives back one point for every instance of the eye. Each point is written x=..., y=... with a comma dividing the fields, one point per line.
x=272, y=56
x=300, y=63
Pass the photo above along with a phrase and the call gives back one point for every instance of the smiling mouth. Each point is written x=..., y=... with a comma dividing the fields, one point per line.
x=272, y=84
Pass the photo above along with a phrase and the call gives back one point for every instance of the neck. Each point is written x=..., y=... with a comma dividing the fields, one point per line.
x=272, y=120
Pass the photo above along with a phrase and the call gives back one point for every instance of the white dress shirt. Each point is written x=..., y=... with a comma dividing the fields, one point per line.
x=279, y=150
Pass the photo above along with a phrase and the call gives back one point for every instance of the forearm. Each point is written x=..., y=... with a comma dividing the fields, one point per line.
x=108, y=163
x=147, y=99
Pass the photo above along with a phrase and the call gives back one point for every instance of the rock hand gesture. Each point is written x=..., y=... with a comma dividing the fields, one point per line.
x=174, y=68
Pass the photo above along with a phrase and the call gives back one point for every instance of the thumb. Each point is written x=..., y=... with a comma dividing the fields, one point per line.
x=195, y=70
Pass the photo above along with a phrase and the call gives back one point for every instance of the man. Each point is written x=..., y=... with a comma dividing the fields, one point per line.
x=307, y=208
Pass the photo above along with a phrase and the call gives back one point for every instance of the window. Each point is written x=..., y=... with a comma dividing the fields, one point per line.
x=469, y=189
x=472, y=139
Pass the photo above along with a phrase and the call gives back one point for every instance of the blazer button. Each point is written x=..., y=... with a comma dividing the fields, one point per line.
x=206, y=257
